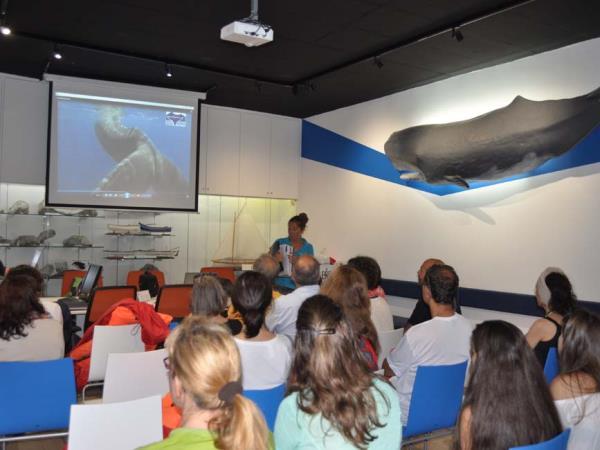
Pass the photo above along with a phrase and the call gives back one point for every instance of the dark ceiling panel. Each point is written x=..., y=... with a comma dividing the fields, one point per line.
x=312, y=38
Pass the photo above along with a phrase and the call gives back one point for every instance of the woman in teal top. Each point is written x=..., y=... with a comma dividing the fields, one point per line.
x=300, y=246
x=205, y=382
x=334, y=401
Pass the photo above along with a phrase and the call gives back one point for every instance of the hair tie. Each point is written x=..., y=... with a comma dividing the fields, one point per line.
x=229, y=391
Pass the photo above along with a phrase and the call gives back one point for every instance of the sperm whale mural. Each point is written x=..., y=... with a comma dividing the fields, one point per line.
x=507, y=141
x=141, y=167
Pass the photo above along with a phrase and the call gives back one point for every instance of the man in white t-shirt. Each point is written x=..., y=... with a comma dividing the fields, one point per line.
x=282, y=318
x=445, y=339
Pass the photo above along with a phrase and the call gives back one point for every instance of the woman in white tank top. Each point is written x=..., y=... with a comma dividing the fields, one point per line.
x=576, y=391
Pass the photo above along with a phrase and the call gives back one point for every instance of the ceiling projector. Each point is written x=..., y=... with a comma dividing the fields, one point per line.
x=251, y=33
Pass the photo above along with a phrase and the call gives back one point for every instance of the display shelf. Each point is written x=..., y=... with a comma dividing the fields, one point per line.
x=145, y=234
x=78, y=247
x=137, y=257
x=74, y=216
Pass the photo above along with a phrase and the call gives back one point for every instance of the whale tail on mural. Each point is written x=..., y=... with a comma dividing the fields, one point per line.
x=501, y=143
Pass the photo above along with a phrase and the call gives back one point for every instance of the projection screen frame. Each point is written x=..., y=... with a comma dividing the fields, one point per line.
x=201, y=96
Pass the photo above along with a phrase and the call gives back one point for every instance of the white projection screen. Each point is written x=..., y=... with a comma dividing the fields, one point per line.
x=114, y=145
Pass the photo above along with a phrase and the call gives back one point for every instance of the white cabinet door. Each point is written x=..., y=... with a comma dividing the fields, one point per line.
x=286, y=136
x=255, y=143
x=222, y=151
x=24, y=131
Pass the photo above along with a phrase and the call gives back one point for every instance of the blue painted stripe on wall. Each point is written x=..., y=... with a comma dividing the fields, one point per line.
x=480, y=298
x=325, y=146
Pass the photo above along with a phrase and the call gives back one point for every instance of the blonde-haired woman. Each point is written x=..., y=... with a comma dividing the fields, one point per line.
x=205, y=382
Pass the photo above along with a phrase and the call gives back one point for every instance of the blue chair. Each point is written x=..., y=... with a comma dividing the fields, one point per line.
x=36, y=397
x=436, y=399
x=551, y=368
x=268, y=401
x=556, y=443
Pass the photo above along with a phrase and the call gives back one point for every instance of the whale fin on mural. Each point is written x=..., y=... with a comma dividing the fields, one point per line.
x=507, y=141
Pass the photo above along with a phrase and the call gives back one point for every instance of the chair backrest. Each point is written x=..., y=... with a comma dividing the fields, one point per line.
x=133, y=277
x=116, y=426
x=436, y=398
x=130, y=376
x=36, y=396
x=268, y=401
x=551, y=368
x=558, y=442
x=103, y=298
x=70, y=275
x=175, y=300
x=112, y=339
x=223, y=272
x=387, y=341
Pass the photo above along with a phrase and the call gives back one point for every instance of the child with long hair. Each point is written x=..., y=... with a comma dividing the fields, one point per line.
x=507, y=401
x=333, y=400
x=205, y=382
x=348, y=288
x=576, y=391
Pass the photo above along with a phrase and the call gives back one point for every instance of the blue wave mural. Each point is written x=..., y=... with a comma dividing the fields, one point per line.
x=327, y=147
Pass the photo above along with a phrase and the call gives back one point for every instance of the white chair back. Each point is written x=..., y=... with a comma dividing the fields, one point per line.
x=112, y=339
x=387, y=341
x=130, y=376
x=116, y=426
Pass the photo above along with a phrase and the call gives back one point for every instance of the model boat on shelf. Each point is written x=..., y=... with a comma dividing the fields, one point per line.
x=242, y=244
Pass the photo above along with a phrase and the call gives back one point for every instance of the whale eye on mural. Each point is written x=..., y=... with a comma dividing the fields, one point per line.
x=522, y=139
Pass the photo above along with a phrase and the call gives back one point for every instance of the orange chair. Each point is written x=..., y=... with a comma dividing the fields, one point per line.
x=175, y=300
x=69, y=276
x=133, y=277
x=223, y=272
x=103, y=298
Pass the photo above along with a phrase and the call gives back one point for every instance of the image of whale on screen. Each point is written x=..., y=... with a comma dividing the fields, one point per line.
x=502, y=143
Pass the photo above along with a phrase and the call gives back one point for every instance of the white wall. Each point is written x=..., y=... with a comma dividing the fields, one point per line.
x=499, y=237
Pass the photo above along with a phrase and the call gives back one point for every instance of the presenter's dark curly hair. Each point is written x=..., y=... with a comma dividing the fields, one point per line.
x=252, y=296
x=301, y=220
x=507, y=396
x=19, y=305
x=329, y=373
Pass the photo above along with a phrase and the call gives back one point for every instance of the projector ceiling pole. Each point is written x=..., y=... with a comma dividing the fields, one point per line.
x=253, y=10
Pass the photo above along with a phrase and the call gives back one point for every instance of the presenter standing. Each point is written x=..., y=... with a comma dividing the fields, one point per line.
x=287, y=249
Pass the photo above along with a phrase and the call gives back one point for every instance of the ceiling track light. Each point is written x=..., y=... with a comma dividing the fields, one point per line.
x=457, y=34
x=56, y=53
x=378, y=62
x=4, y=28
x=168, y=72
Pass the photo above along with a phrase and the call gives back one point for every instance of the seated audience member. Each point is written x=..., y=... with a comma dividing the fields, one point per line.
x=266, y=357
x=421, y=312
x=333, y=400
x=209, y=300
x=554, y=295
x=2, y=269
x=24, y=269
x=348, y=288
x=282, y=318
x=381, y=316
x=440, y=341
x=576, y=391
x=205, y=382
x=507, y=402
x=269, y=267
x=27, y=333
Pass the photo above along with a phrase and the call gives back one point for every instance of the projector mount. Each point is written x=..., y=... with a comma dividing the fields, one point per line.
x=249, y=31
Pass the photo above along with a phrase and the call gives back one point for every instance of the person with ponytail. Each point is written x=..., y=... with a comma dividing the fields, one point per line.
x=554, y=294
x=205, y=382
x=333, y=400
x=291, y=247
x=266, y=357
